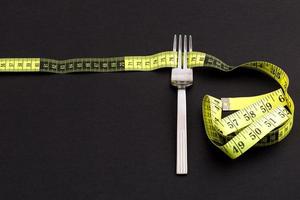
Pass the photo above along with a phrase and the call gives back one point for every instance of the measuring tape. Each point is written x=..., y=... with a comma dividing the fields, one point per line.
x=258, y=121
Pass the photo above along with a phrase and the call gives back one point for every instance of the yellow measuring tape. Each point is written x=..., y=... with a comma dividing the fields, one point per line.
x=258, y=121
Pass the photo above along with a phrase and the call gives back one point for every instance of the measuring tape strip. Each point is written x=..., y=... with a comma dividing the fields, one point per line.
x=259, y=121
x=114, y=64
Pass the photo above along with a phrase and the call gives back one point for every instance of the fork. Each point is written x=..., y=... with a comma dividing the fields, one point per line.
x=181, y=77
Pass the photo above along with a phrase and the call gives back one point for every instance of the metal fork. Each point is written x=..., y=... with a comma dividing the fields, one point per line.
x=181, y=77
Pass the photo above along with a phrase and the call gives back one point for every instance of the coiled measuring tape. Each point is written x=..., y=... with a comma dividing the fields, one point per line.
x=258, y=121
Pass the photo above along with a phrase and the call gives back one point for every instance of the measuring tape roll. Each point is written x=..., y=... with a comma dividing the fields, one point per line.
x=259, y=120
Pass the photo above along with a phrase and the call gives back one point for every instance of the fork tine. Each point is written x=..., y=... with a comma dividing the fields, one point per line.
x=174, y=42
x=184, y=52
x=190, y=44
x=179, y=51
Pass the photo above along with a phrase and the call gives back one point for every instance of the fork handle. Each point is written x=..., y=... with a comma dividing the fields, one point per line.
x=181, y=161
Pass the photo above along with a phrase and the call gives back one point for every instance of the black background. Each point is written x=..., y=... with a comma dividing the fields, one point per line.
x=112, y=135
